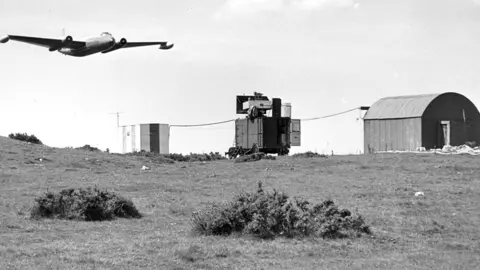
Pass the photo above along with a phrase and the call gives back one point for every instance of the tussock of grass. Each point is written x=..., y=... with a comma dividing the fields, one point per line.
x=25, y=137
x=268, y=215
x=90, y=204
x=309, y=154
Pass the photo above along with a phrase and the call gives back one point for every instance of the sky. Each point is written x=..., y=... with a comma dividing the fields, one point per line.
x=322, y=56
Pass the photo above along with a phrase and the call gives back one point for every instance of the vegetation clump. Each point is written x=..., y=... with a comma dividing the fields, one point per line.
x=151, y=156
x=271, y=214
x=196, y=157
x=90, y=204
x=87, y=147
x=309, y=154
x=253, y=157
x=180, y=157
x=25, y=137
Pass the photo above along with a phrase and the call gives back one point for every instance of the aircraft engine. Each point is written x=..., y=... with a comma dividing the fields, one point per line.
x=67, y=40
x=123, y=42
x=4, y=39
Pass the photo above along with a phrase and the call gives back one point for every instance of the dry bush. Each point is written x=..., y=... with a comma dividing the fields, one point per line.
x=90, y=204
x=25, y=137
x=87, y=147
x=309, y=154
x=272, y=214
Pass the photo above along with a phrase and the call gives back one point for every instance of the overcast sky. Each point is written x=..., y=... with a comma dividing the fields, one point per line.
x=323, y=56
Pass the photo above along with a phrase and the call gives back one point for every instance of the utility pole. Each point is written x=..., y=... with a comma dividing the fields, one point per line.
x=118, y=124
x=118, y=117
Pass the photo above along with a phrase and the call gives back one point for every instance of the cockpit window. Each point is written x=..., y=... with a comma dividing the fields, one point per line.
x=105, y=33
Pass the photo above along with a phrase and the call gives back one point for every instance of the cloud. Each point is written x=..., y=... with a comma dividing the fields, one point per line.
x=319, y=4
x=249, y=7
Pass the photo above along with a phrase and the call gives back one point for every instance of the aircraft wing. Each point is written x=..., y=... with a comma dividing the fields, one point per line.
x=163, y=45
x=68, y=42
x=124, y=44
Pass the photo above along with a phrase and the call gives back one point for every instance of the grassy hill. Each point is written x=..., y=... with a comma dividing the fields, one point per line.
x=440, y=230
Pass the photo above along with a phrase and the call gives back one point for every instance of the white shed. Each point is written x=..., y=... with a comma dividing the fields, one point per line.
x=148, y=137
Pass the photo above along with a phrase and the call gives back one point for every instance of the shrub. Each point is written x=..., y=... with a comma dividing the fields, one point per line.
x=309, y=154
x=196, y=157
x=180, y=157
x=271, y=214
x=87, y=147
x=90, y=204
x=25, y=137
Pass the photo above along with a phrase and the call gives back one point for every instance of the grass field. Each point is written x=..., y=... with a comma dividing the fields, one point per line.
x=440, y=230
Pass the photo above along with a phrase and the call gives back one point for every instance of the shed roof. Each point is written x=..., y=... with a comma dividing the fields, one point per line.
x=400, y=107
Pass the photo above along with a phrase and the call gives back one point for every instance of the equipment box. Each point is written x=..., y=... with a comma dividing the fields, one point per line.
x=269, y=134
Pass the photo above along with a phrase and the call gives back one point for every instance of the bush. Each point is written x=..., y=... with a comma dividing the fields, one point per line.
x=268, y=215
x=25, y=137
x=180, y=157
x=83, y=204
x=309, y=154
x=196, y=157
x=87, y=147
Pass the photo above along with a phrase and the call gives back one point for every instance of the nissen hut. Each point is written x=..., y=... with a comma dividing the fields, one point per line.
x=430, y=121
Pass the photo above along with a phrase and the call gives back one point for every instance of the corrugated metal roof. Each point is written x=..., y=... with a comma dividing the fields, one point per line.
x=400, y=107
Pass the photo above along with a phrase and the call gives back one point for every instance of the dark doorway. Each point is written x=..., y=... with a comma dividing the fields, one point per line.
x=154, y=138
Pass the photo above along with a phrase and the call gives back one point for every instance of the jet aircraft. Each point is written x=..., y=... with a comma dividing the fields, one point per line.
x=105, y=43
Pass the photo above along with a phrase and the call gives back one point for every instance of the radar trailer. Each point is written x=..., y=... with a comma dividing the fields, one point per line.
x=258, y=132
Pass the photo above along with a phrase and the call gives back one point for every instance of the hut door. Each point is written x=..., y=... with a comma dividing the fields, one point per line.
x=446, y=132
x=295, y=132
x=155, y=138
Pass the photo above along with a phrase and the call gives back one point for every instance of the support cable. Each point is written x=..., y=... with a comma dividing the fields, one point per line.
x=231, y=120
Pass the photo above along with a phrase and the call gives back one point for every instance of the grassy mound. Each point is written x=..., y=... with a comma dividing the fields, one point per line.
x=308, y=154
x=25, y=137
x=90, y=204
x=268, y=215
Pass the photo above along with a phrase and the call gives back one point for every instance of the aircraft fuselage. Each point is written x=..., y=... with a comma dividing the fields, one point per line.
x=92, y=46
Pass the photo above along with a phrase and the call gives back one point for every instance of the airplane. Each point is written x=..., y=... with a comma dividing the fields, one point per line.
x=105, y=43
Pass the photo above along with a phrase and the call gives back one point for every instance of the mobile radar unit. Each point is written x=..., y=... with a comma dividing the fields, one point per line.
x=273, y=134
